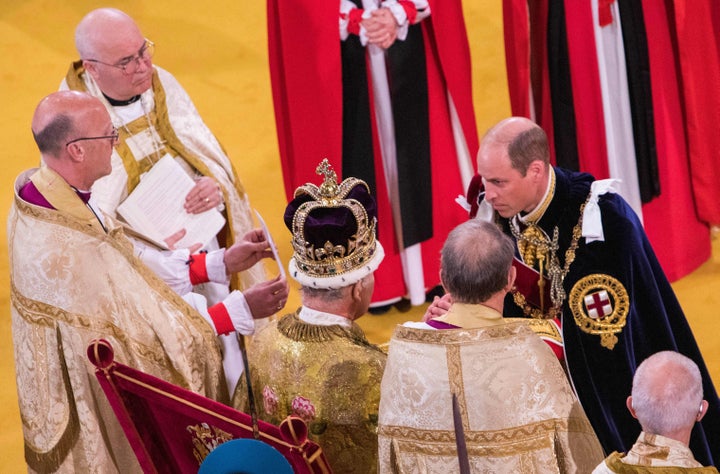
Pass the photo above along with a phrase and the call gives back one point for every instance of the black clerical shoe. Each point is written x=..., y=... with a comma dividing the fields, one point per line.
x=378, y=310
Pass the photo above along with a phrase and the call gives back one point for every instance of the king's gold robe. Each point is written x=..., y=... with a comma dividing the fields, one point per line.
x=71, y=282
x=517, y=410
x=327, y=375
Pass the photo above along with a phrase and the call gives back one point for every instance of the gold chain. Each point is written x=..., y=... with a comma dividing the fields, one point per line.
x=557, y=275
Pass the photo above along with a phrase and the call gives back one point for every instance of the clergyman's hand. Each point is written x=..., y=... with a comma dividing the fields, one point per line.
x=245, y=253
x=172, y=241
x=438, y=307
x=381, y=28
x=267, y=298
x=205, y=195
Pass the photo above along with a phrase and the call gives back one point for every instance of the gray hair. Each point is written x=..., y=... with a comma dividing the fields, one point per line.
x=667, y=392
x=51, y=139
x=475, y=261
x=322, y=294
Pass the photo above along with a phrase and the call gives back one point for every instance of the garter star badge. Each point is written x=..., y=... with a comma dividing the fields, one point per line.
x=600, y=304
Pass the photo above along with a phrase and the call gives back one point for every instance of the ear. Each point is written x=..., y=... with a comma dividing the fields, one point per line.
x=536, y=169
x=357, y=290
x=91, y=68
x=703, y=409
x=629, y=404
x=76, y=152
x=512, y=274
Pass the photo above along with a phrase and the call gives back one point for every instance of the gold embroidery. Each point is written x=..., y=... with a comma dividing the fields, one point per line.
x=461, y=336
x=536, y=214
x=205, y=438
x=542, y=327
x=483, y=443
x=455, y=376
x=589, y=299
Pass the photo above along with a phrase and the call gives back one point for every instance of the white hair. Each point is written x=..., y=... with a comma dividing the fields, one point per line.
x=667, y=392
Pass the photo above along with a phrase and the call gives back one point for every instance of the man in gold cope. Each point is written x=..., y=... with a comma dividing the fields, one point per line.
x=74, y=278
x=316, y=363
x=515, y=407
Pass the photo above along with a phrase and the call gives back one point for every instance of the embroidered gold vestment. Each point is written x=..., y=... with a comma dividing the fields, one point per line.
x=519, y=414
x=71, y=283
x=170, y=124
x=327, y=375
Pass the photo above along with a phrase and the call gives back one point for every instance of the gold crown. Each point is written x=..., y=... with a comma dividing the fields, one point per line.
x=333, y=259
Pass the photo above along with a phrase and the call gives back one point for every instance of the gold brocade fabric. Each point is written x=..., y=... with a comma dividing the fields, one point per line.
x=653, y=454
x=329, y=376
x=170, y=124
x=518, y=412
x=71, y=283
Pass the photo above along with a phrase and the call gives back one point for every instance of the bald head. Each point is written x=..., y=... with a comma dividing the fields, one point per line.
x=101, y=30
x=73, y=133
x=60, y=117
x=115, y=53
x=475, y=262
x=667, y=393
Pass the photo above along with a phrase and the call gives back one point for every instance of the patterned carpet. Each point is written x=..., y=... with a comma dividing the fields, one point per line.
x=218, y=52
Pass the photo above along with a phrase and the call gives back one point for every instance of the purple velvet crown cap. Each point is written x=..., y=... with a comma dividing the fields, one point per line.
x=332, y=224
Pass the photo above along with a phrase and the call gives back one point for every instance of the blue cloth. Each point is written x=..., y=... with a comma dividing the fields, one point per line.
x=245, y=456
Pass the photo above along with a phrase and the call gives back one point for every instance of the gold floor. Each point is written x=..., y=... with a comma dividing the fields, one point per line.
x=218, y=52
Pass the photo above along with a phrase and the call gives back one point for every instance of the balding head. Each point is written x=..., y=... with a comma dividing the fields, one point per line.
x=107, y=38
x=476, y=262
x=522, y=139
x=102, y=29
x=514, y=162
x=59, y=117
x=667, y=394
x=68, y=116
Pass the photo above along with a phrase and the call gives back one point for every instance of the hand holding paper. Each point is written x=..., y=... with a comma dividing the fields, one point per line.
x=156, y=209
x=245, y=253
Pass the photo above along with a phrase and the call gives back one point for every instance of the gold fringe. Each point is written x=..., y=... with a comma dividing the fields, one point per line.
x=293, y=328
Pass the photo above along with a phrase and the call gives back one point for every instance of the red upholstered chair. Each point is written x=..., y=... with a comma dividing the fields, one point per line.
x=172, y=429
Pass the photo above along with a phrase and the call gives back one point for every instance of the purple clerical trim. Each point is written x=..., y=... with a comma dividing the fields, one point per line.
x=440, y=324
x=29, y=193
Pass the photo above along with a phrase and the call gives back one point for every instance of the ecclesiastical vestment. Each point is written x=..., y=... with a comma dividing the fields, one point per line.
x=328, y=375
x=616, y=305
x=400, y=119
x=653, y=454
x=71, y=282
x=165, y=120
x=517, y=411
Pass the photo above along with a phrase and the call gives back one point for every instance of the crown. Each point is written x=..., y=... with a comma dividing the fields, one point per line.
x=333, y=229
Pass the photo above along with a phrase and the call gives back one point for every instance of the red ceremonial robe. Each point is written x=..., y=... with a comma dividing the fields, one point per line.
x=306, y=73
x=673, y=220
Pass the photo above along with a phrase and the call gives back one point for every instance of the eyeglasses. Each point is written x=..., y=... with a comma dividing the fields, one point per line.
x=129, y=65
x=114, y=138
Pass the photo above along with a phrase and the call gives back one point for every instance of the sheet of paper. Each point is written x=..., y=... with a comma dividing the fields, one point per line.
x=271, y=243
x=155, y=208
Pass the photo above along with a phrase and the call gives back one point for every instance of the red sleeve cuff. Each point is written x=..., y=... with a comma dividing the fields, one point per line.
x=221, y=319
x=198, y=269
x=354, y=20
x=410, y=10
